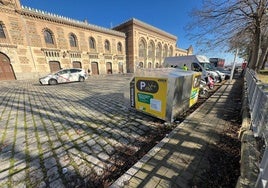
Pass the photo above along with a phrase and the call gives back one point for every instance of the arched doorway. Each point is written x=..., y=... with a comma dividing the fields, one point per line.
x=54, y=66
x=149, y=65
x=94, y=68
x=6, y=69
x=77, y=64
x=109, y=68
x=120, y=67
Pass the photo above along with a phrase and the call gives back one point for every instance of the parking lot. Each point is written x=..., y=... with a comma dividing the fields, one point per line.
x=69, y=135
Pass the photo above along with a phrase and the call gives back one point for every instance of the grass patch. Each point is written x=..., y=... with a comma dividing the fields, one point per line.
x=263, y=76
x=265, y=71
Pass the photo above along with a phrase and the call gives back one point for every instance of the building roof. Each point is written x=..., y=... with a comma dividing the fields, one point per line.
x=65, y=20
x=134, y=21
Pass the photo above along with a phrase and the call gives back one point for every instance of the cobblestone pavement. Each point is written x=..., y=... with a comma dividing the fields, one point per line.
x=66, y=135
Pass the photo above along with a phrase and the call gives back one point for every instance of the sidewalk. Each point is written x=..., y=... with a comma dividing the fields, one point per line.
x=181, y=159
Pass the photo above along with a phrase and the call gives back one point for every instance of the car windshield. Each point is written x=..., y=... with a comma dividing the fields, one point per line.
x=207, y=66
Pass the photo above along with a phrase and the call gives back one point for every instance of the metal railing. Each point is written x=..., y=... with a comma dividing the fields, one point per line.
x=258, y=106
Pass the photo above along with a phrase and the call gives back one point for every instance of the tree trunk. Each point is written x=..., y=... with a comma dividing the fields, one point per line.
x=256, y=47
x=262, y=58
x=264, y=52
x=264, y=62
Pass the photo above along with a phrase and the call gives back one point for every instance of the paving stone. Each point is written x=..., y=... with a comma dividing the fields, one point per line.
x=21, y=185
x=86, y=150
x=109, y=149
x=18, y=177
x=34, y=164
x=91, y=142
x=6, y=149
x=53, y=174
x=99, y=168
x=47, y=153
x=77, y=159
x=36, y=177
x=42, y=185
x=102, y=142
x=50, y=162
x=84, y=170
x=43, y=138
x=57, y=184
x=92, y=159
x=103, y=156
x=64, y=160
x=4, y=175
x=60, y=151
x=96, y=148
x=4, y=163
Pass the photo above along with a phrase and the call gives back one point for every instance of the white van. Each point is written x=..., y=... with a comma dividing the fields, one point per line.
x=198, y=63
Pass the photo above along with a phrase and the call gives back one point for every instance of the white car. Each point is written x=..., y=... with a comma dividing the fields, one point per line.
x=64, y=76
x=224, y=71
x=221, y=74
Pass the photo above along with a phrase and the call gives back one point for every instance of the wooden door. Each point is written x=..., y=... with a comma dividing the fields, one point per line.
x=54, y=66
x=109, y=68
x=77, y=64
x=6, y=70
x=94, y=68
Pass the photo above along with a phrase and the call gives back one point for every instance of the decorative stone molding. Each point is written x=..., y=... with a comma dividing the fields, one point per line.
x=8, y=45
x=31, y=12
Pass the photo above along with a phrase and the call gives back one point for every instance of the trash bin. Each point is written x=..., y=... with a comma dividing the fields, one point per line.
x=164, y=93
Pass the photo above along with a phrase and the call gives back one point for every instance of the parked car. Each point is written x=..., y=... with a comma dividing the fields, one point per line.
x=226, y=72
x=221, y=75
x=64, y=76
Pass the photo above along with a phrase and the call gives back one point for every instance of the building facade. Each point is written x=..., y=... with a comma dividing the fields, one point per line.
x=184, y=52
x=146, y=46
x=34, y=43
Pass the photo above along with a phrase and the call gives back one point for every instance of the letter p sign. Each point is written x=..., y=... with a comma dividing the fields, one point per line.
x=142, y=85
x=149, y=86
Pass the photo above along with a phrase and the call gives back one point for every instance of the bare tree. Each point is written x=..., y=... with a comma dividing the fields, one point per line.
x=264, y=44
x=231, y=24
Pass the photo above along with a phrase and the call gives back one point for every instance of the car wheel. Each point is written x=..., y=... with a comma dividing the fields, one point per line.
x=81, y=79
x=203, y=93
x=53, y=82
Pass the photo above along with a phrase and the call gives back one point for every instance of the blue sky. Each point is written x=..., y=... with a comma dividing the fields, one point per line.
x=171, y=16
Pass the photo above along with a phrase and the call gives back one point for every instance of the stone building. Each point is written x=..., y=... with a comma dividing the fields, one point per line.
x=34, y=43
x=147, y=46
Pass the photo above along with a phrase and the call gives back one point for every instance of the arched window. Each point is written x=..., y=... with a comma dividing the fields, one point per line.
x=170, y=52
x=119, y=47
x=107, y=45
x=2, y=33
x=142, y=49
x=151, y=50
x=73, y=41
x=165, y=51
x=92, y=43
x=48, y=37
x=158, y=51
